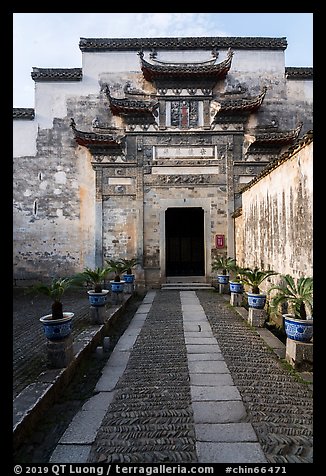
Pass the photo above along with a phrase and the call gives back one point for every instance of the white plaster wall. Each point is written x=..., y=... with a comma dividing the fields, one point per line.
x=53, y=212
x=299, y=89
x=95, y=63
x=258, y=60
x=24, y=137
x=277, y=218
x=51, y=100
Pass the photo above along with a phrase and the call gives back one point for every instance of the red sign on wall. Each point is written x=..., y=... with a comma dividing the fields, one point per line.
x=219, y=241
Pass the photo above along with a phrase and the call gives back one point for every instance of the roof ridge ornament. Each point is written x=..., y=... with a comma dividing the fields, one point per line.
x=231, y=106
x=91, y=139
x=267, y=141
x=131, y=105
x=156, y=71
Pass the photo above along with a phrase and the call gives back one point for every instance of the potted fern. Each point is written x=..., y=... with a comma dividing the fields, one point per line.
x=254, y=278
x=129, y=264
x=298, y=296
x=96, y=277
x=58, y=324
x=223, y=264
x=116, y=266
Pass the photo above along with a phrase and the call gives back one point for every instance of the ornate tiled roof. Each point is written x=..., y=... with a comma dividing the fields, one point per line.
x=240, y=105
x=278, y=138
x=109, y=44
x=156, y=71
x=88, y=139
x=298, y=73
x=293, y=149
x=57, y=74
x=130, y=106
x=23, y=113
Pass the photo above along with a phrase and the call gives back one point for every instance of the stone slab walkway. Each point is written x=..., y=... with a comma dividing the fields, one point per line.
x=190, y=381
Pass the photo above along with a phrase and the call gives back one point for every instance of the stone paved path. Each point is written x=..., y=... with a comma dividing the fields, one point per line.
x=279, y=406
x=190, y=381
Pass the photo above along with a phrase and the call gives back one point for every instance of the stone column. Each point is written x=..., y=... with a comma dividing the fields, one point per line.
x=230, y=200
x=139, y=239
x=97, y=314
x=236, y=299
x=257, y=317
x=59, y=353
x=299, y=355
x=162, y=114
x=223, y=288
x=206, y=114
x=98, y=217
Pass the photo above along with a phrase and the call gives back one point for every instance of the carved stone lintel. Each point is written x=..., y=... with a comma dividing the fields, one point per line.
x=183, y=179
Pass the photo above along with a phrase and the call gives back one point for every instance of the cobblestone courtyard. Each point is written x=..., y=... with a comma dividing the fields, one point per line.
x=279, y=404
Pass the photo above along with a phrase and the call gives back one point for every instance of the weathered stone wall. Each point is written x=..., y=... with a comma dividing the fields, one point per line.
x=276, y=225
x=53, y=207
x=119, y=228
x=72, y=209
x=239, y=243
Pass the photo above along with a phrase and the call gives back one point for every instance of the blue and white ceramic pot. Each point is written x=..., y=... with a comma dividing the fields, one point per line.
x=298, y=329
x=236, y=287
x=57, y=329
x=257, y=301
x=117, y=286
x=129, y=278
x=223, y=278
x=98, y=299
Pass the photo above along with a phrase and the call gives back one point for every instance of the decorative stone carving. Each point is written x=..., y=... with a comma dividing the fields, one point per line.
x=183, y=179
x=120, y=172
x=139, y=144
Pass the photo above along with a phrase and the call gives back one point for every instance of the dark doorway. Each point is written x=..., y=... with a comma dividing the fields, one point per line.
x=184, y=238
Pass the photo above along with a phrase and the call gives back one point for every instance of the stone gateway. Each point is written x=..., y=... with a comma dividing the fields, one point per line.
x=143, y=152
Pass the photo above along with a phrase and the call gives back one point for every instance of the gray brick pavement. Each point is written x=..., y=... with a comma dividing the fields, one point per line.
x=170, y=394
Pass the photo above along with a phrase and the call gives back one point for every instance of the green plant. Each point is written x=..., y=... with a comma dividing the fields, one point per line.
x=129, y=264
x=54, y=291
x=239, y=271
x=94, y=276
x=116, y=266
x=297, y=293
x=224, y=264
x=254, y=277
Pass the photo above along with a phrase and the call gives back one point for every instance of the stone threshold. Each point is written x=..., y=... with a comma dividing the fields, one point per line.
x=33, y=401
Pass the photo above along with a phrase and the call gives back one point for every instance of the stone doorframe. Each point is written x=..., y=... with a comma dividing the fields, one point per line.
x=205, y=204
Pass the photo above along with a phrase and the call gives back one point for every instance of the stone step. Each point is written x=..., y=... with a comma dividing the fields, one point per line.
x=186, y=286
